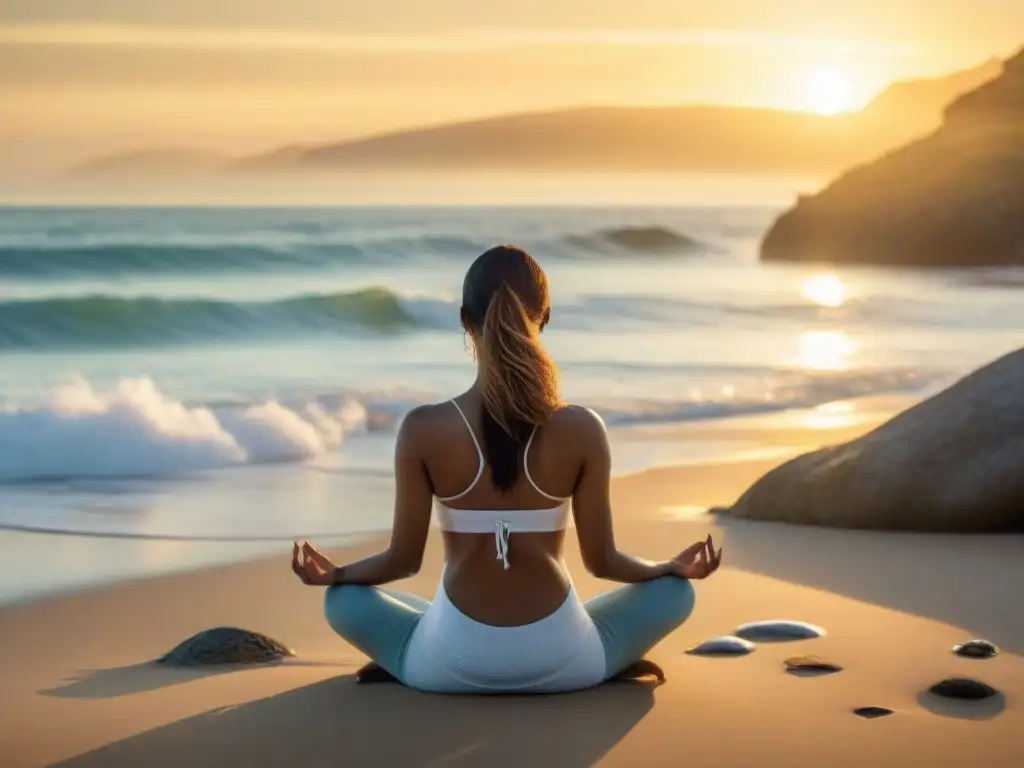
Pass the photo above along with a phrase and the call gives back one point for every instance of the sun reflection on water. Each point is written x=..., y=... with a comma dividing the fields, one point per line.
x=824, y=289
x=826, y=350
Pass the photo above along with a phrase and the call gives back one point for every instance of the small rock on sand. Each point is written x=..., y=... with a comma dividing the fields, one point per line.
x=976, y=649
x=871, y=713
x=226, y=645
x=963, y=688
x=779, y=630
x=726, y=645
x=810, y=665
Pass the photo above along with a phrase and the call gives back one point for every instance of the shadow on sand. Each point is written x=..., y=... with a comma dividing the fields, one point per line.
x=150, y=676
x=334, y=723
x=967, y=581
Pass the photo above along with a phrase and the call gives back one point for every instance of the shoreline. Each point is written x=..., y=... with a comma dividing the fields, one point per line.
x=778, y=435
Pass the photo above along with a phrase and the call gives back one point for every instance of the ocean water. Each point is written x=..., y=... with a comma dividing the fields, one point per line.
x=193, y=385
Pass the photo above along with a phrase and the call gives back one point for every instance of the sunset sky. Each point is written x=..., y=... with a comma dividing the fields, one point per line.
x=79, y=77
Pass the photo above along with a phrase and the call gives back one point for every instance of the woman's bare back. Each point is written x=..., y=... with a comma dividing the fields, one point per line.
x=475, y=579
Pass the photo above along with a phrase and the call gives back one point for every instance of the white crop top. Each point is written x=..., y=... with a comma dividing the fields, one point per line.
x=503, y=522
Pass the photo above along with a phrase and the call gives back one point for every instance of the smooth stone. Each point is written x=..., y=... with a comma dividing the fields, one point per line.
x=778, y=630
x=951, y=463
x=726, y=645
x=976, y=649
x=226, y=645
x=963, y=688
x=811, y=664
x=871, y=713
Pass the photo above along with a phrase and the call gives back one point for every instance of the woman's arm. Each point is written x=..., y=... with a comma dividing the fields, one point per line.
x=413, y=498
x=592, y=511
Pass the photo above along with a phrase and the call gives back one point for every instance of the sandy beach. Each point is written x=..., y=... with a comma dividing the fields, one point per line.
x=80, y=688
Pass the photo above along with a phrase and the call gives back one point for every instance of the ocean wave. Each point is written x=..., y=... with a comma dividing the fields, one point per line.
x=122, y=259
x=49, y=258
x=867, y=312
x=296, y=246
x=638, y=239
x=112, y=321
x=136, y=430
x=1011, y=278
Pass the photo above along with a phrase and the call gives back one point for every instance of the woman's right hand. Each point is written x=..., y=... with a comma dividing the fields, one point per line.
x=697, y=561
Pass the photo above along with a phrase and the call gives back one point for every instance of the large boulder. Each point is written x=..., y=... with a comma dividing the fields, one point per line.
x=954, y=462
x=953, y=198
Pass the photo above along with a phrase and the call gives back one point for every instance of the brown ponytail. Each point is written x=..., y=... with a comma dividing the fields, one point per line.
x=519, y=382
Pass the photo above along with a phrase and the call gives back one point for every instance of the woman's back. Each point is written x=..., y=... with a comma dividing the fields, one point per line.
x=535, y=582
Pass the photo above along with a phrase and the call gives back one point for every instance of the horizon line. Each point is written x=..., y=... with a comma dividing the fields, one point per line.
x=300, y=39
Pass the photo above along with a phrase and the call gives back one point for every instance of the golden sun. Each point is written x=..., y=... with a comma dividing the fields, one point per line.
x=829, y=91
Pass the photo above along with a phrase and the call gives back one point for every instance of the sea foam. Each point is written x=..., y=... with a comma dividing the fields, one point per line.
x=134, y=429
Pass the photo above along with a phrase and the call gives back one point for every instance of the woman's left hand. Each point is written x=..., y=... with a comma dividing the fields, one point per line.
x=312, y=567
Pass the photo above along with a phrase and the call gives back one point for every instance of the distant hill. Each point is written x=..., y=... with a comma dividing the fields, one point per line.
x=637, y=139
x=685, y=138
x=600, y=138
x=147, y=163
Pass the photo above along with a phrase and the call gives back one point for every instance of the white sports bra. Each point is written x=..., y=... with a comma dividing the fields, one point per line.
x=503, y=522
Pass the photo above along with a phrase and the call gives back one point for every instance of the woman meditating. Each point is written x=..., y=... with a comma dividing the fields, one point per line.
x=502, y=465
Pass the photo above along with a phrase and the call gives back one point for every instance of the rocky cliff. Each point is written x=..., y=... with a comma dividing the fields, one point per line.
x=953, y=198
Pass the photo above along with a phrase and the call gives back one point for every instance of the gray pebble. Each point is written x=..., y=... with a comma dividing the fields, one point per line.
x=726, y=645
x=779, y=630
x=963, y=688
x=976, y=649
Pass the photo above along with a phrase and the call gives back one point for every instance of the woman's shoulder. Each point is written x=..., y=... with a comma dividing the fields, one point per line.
x=576, y=418
x=428, y=415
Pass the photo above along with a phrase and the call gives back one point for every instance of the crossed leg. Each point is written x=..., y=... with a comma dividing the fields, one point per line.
x=630, y=621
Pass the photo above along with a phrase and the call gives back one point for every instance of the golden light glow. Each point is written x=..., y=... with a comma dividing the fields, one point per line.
x=825, y=290
x=834, y=415
x=825, y=350
x=829, y=91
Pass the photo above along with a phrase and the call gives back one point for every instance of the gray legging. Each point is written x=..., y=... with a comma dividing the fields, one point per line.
x=630, y=619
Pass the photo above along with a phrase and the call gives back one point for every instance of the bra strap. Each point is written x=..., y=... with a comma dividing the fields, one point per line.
x=526, y=469
x=479, y=455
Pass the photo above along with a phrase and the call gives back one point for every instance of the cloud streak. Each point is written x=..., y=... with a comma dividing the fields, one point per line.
x=300, y=40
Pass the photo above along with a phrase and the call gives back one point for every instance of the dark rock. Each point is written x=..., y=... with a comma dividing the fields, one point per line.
x=963, y=688
x=777, y=631
x=727, y=645
x=811, y=665
x=226, y=645
x=950, y=463
x=872, y=712
x=976, y=649
x=952, y=198
x=640, y=240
